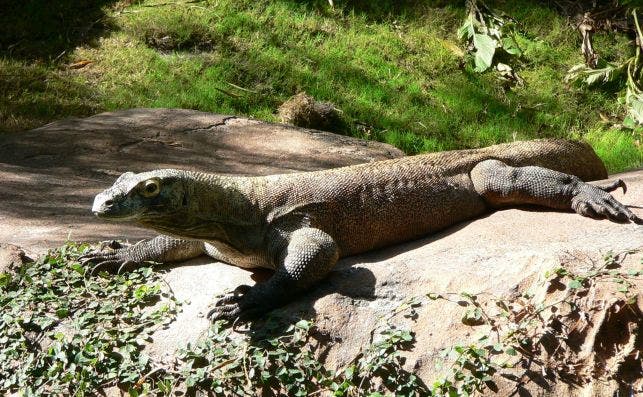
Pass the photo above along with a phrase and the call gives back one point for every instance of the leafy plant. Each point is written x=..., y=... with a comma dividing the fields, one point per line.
x=279, y=364
x=286, y=364
x=522, y=327
x=634, y=93
x=628, y=73
x=383, y=359
x=472, y=368
x=64, y=333
x=473, y=364
x=583, y=75
x=485, y=31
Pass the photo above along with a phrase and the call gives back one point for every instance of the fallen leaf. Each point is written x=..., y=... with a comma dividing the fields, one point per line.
x=80, y=64
x=453, y=48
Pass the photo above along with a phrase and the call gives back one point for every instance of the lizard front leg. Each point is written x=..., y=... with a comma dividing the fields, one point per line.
x=308, y=256
x=159, y=249
x=502, y=185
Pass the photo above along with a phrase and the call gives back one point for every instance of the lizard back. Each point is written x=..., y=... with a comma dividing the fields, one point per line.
x=376, y=204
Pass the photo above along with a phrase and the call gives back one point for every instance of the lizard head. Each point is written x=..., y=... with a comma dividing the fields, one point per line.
x=138, y=197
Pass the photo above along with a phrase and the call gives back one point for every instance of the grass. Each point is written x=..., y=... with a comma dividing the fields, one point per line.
x=392, y=67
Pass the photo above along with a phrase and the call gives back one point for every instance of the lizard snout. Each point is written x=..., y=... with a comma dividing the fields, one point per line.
x=108, y=206
x=102, y=204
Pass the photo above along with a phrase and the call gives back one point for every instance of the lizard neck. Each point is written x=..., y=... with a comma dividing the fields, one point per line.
x=215, y=208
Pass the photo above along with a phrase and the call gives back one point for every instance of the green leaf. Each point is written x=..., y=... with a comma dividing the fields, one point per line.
x=582, y=74
x=473, y=317
x=5, y=279
x=406, y=336
x=433, y=296
x=467, y=29
x=511, y=351
x=348, y=372
x=485, y=49
x=62, y=312
x=303, y=324
x=78, y=268
x=624, y=289
x=575, y=284
x=634, y=102
x=510, y=46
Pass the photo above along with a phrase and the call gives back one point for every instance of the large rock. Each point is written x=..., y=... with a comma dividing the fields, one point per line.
x=52, y=173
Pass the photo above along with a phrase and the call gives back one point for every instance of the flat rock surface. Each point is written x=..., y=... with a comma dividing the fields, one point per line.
x=51, y=174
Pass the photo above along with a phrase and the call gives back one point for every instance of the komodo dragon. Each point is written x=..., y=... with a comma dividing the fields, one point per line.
x=299, y=224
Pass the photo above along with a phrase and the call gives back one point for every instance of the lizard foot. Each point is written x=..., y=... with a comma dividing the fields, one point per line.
x=233, y=306
x=111, y=261
x=594, y=202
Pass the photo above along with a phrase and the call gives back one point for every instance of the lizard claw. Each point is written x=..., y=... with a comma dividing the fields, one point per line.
x=611, y=186
x=111, y=261
x=595, y=202
x=90, y=256
x=110, y=265
x=99, y=253
x=224, y=312
x=232, y=306
x=233, y=296
x=233, y=312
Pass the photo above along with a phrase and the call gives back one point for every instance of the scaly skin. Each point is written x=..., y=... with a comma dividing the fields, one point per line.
x=300, y=224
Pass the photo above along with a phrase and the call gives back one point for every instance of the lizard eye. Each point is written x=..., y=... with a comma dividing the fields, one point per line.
x=151, y=188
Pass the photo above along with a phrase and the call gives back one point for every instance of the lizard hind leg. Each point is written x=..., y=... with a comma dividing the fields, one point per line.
x=502, y=185
x=309, y=254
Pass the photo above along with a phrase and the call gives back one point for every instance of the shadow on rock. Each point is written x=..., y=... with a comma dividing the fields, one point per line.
x=354, y=283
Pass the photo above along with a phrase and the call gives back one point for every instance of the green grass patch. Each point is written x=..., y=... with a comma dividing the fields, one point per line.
x=616, y=148
x=36, y=94
x=393, y=68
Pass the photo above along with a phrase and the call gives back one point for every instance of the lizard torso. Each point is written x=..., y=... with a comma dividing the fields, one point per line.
x=361, y=207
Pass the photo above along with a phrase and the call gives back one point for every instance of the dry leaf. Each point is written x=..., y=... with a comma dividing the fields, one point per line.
x=80, y=64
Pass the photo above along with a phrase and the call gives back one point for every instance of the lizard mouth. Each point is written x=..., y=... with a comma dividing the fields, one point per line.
x=115, y=217
x=110, y=208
